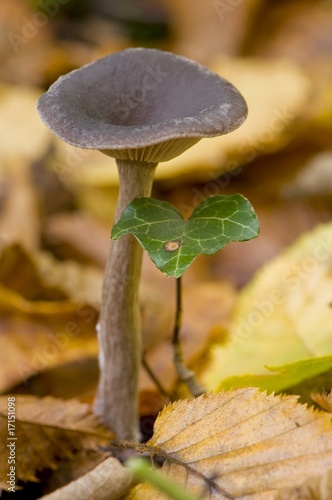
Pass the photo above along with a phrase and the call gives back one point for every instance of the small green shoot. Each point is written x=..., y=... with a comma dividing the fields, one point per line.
x=141, y=470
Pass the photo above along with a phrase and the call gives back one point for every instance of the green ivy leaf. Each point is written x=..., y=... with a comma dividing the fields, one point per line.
x=173, y=243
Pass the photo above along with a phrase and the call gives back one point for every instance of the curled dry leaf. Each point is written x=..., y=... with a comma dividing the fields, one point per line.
x=39, y=277
x=108, y=481
x=239, y=443
x=47, y=430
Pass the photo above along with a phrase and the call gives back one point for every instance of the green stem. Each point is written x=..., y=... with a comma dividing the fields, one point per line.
x=141, y=470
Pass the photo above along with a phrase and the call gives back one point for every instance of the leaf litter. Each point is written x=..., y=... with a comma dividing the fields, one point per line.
x=48, y=430
x=240, y=444
x=27, y=140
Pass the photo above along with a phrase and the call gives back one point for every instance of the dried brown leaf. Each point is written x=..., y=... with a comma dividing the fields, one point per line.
x=47, y=316
x=108, y=481
x=39, y=277
x=29, y=347
x=70, y=470
x=240, y=443
x=324, y=400
x=82, y=233
x=19, y=206
x=47, y=430
x=19, y=274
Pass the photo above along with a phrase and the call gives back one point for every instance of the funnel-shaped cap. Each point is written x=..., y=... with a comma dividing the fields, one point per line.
x=141, y=104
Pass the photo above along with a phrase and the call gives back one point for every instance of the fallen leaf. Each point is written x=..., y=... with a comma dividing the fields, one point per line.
x=315, y=179
x=49, y=310
x=108, y=481
x=19, y=273
x=283, y=377
x=27, y=137
x=82, y=233
x=34, y=282
x=314, y=488
x=20, y=205
x=75, y=378
x=68, y=470
x=28, y=347
x=45, y=432
x=324, y=400
x=82, y=283
x=283, y=315
x=238, y=444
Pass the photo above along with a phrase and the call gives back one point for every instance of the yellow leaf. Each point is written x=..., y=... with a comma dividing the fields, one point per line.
x=19, y=205
x=316, y=488
x=22, y=132
x=239, y=443
x=45, y=431
x=284, y=315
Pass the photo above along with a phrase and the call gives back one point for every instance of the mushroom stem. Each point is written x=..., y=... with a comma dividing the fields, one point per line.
x=119, y=327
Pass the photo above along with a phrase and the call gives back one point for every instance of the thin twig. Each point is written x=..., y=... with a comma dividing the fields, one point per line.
x=154, y=378
x=185, y=375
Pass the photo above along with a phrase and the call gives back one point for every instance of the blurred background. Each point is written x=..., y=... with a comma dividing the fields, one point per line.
x=278, y=54
x=57, y=202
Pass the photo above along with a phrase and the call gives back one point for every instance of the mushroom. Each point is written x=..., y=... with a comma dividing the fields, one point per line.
x=142, y=107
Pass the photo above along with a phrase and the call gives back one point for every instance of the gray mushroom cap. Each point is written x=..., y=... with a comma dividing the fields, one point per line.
x=141, y=104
